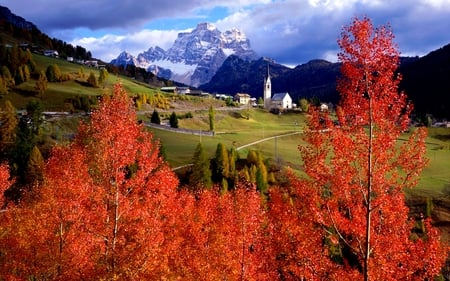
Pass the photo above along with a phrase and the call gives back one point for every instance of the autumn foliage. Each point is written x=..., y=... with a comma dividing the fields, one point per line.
x=359, y=171
x=109, y=208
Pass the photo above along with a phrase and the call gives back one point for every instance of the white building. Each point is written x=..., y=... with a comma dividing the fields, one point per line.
x=279, y=100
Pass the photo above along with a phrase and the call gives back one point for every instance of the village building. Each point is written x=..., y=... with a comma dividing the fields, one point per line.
x=242, y=98
x=177, y=90
x=51, y=53
x=281, y=101
x=277, y=101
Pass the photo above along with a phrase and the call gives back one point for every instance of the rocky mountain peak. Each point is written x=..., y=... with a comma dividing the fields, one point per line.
x=194, y=56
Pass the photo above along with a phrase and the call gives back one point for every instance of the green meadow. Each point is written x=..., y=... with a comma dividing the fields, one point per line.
x=57, y=93
x=235, y=131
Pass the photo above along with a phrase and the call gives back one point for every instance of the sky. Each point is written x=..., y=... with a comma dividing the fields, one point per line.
x=291, y=32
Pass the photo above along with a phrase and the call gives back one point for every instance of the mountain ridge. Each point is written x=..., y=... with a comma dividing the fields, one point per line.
x=194, y=56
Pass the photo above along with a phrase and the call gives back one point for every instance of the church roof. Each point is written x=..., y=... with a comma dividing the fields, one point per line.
x=279, y=96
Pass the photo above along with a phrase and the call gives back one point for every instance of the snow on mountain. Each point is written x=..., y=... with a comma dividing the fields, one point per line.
x=194, y=56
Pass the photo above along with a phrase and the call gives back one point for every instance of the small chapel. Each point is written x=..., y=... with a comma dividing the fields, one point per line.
x=278, y=100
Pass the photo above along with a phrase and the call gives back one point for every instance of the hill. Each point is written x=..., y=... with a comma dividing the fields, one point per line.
x=426, y=82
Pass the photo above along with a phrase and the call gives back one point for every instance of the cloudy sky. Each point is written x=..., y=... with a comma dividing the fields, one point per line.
x=291, y=32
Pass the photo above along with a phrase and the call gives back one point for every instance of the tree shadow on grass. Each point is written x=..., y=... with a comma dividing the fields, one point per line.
x=26, y=92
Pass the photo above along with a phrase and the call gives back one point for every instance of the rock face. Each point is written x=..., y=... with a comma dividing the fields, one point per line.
x=194, y=57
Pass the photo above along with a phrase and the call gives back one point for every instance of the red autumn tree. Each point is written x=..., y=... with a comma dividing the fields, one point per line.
x=223, y=236
x=5, y=183
x=136, y=187
x=104, y=209
x=359, y=171
x=49, y=233
x=295, y=238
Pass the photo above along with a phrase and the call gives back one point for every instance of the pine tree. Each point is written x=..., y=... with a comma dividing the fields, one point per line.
x=211, y=116
x=200, y=176
x=173, y=120
x=221, y=163
x=155, y=117
x=53, y=73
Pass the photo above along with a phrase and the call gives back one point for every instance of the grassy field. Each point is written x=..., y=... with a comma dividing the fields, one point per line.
x=232, y=130
x=57, y=92
x=235, y=131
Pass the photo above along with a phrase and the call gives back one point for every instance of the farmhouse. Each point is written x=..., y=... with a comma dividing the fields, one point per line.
x=242, y=98
x=51, y=53
x=176, y=90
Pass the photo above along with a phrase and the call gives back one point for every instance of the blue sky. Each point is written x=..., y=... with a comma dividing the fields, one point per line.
x=291, y=32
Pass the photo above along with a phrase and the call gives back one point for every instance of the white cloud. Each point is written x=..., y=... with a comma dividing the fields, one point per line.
x=289, y=31
x=110, y=46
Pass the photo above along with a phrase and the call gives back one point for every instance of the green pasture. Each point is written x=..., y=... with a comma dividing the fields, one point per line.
x=435, y=179
x=235, y=131
x=57, y=92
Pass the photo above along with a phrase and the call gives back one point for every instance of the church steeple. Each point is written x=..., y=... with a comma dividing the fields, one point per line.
x=267, y=89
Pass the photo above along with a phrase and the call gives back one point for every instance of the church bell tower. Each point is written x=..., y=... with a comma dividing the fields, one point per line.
x=267, y=90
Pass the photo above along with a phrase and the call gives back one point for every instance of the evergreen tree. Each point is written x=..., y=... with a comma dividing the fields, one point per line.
x=34, y=116
x=232, y=174
x=201, y=171
x=19, y=76
x=211, y=115
x=53, y=73
x=155, y=117
x=173, y=120
x=221, y=164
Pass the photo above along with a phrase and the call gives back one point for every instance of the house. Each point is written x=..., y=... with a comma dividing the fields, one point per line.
x=176, y=90
x=281, y=101
x=91, y=63
x=51, y=53
x=242, y=98
x=323, y=107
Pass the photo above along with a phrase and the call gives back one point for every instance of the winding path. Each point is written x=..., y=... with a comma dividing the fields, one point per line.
x=246, y=145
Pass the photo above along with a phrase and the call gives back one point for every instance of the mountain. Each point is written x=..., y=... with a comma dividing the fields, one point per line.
x=426, y=81
x=194, y=57
x=6, y=15
x=315, y=79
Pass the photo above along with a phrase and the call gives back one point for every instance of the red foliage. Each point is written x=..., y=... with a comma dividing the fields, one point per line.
x=359, y=173
x=223, y=237
x=103, y=209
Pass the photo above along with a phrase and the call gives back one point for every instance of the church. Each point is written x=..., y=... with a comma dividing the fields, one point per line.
x=278, y=100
